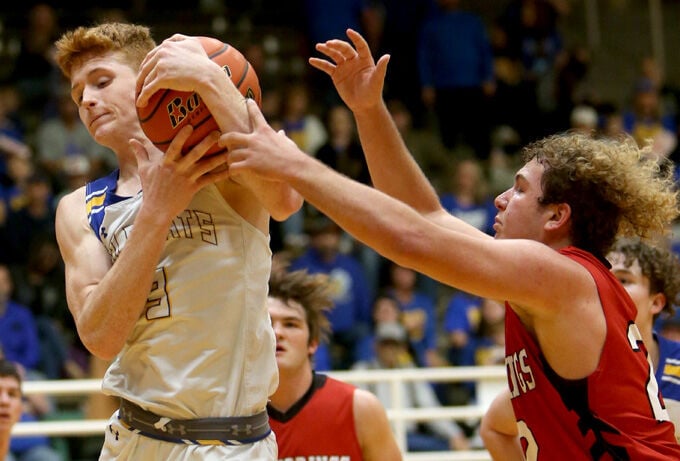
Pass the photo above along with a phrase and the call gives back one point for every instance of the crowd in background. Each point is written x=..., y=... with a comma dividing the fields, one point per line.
x=466, y=92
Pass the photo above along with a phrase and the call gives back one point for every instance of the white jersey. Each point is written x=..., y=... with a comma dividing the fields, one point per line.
x=204, y=346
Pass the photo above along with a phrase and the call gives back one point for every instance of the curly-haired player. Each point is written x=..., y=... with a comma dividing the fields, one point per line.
x=651, y=276
x=569, y=323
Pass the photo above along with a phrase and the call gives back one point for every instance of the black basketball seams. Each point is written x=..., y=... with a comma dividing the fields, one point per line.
x=153, y=111
x=224, y=49
x=246, y=68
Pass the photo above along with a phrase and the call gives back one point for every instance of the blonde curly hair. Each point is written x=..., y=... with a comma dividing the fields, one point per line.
x=613, y=187
x=133, y=42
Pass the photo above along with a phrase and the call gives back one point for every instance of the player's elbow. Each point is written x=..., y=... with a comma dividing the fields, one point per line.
x=287, y=207
x=486, y=430
x=408, y=246
x=100, y=346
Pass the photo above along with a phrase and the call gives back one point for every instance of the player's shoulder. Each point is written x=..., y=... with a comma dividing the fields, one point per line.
x=70, y=212
x=71, y=201
x=366, y=402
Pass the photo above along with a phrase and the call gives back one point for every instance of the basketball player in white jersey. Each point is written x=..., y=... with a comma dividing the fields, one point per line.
x=167, y=262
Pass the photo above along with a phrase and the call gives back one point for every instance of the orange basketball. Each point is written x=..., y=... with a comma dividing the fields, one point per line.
x=169, y=110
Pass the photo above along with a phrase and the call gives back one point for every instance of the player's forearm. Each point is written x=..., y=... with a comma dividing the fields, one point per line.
x=396, y=231
x=119, y=299
x=392, y=167
x=502, y=447
x=278, y=198
x=225, y=102
x=498, y=430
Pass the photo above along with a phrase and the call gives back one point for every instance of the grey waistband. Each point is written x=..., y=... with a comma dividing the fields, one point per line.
x=203, y=431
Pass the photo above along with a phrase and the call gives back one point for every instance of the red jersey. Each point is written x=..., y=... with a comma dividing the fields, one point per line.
x=615, y=413
x=320, y=425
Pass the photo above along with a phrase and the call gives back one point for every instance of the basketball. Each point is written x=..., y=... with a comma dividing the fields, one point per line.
x=169, y=110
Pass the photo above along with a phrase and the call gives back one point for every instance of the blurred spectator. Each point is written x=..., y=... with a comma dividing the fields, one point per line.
x=385, y=310
x=31, y=217
x=611, y=121
x=64, y=147
x=467, y=197
x=272, y=106
x=489, y=341
x=647, y=121
x=34, y=69
x=418, y=315
x=351, y=314
x=505, y=154
x=391, y=352
x=256, y=55
x=425, y=145
x=18, y=329
x=570, y=90
x=39, y=285
x=461, y=322
x=533, y=36
x=12, y=137
x=584, y=119
x=514, y=102
x=403, y=20
x=299, y=120
x=456, y=74
x=19, y=172
x=342, y=150
x=305, y=128
x=76, y=172
x=475, y=329
x=325, y=20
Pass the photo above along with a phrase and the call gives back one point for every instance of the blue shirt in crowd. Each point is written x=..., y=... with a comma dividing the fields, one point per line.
x=454, y=51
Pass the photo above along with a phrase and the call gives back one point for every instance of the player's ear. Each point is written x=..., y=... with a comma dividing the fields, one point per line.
x=658, y=303
x=559, y=215
x=312, y=347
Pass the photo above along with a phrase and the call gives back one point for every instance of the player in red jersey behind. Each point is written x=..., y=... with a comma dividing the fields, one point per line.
x=314, y=415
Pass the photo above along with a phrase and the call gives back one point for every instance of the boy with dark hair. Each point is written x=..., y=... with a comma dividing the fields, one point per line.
x=314, y=415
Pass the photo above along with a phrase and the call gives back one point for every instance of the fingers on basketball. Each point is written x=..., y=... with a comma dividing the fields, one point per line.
x=169, y=110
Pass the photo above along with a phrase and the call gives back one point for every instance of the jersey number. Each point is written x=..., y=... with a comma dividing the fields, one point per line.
x=527, y=439
x=653, y=394
x=157, y=304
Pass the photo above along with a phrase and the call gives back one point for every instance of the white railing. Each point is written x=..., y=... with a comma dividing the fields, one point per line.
x=489, y=380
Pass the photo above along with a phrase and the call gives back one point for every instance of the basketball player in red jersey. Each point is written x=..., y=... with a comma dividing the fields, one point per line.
x=313, y=415
x=580, y=384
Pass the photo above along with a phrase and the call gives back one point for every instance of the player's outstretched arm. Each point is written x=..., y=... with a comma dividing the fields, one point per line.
x=373, y=429
x=482, y=266
x=499, y=430
x=359, y=82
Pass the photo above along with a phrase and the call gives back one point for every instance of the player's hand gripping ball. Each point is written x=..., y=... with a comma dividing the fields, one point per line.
x=169, y=110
